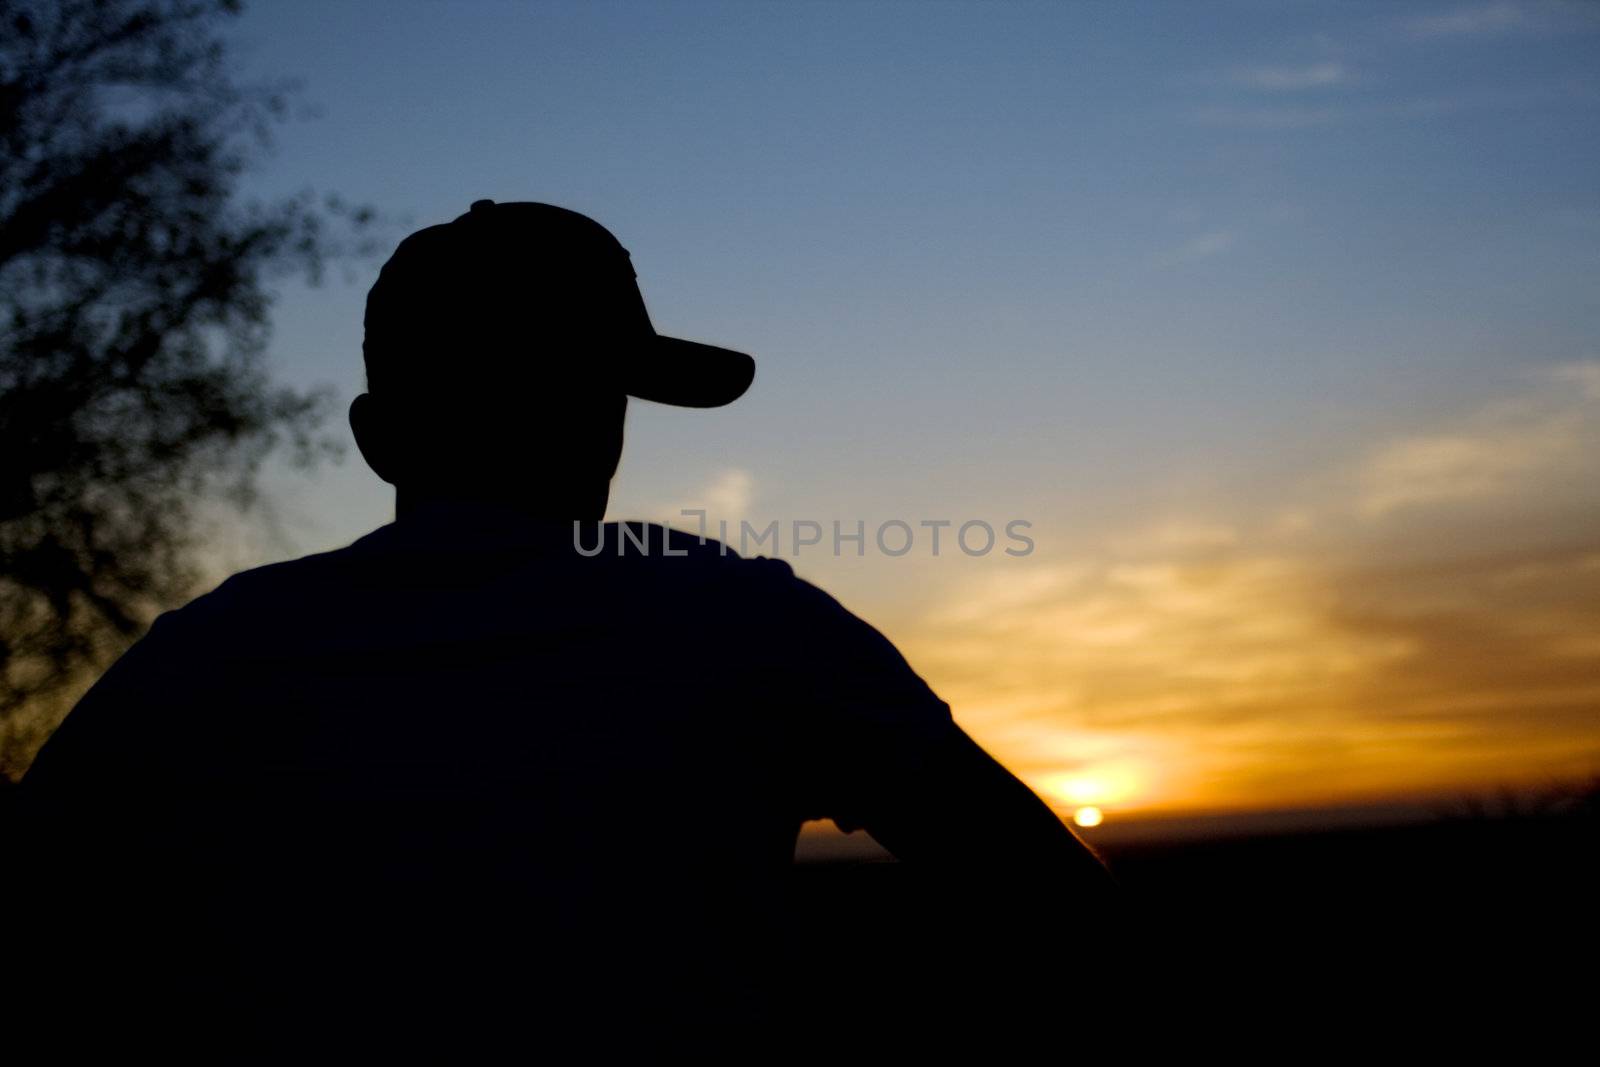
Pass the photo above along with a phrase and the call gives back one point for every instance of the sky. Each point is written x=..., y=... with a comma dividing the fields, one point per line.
x=1275, y=325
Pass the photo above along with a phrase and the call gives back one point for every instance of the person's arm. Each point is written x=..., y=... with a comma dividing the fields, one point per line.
x=958, y=810
x=887, y=756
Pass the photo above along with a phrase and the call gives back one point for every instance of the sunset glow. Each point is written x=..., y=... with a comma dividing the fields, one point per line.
x=1421, y=624
x=1107, y=783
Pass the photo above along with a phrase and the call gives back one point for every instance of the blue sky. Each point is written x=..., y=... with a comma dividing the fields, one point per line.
x=1169, y=281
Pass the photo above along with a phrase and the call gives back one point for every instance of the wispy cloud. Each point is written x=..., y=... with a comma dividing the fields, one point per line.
x=1469, y=21
x=1292, y=78
x=729, y=495
x=1441, y=468
x=1503, y=18
x=726, y=496
x=1299, y=117
x=1310, y=94
x=1183, y=533
x=1201, y=246
x=1504, y=449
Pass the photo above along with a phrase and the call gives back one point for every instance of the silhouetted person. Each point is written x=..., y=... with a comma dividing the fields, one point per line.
x=497, y=775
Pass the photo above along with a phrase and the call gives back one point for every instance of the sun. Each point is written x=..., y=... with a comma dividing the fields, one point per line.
x=1088, y=815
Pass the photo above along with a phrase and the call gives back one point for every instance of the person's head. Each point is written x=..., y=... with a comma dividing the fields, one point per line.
x=501, y=349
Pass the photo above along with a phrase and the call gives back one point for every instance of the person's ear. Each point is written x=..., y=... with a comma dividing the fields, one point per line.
x=374, y=436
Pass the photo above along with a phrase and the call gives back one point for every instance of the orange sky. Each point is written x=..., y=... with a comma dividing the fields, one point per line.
x=1423, y=616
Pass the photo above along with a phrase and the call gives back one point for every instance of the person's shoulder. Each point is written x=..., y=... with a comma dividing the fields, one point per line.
x=668, y=543
x=176, y=659
x=252, y=592
x=708, y=569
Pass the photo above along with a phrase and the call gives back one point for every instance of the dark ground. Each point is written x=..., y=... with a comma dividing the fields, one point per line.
x=1445, y=935
x=1463, y=935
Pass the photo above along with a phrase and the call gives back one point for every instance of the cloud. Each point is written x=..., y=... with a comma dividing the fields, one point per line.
x=1183, y=533
x=727, y=496
x=1301, y=117
x=1469, y=22
x=1446, y=467
x=1284, y=655
x=1291, y=79
x=1505, y=448
x=1203, y=246
x=1502, y=18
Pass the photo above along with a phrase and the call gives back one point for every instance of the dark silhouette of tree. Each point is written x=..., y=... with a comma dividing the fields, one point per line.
x=133, y=323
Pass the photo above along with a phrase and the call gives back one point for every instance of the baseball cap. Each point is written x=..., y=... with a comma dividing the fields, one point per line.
x=545, y=295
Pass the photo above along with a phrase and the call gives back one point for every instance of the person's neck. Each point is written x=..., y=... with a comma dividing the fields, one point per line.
x=552, y=504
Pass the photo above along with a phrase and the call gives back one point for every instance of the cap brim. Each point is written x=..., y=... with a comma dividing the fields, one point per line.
x=688, y=374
